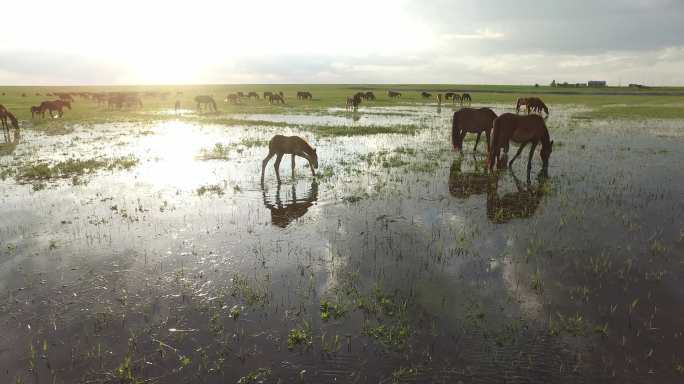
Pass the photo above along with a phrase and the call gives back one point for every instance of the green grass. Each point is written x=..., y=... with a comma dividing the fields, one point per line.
x=72, y=168
x=609, y=102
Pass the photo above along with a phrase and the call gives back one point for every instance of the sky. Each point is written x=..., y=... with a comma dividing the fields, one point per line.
x=352, y=41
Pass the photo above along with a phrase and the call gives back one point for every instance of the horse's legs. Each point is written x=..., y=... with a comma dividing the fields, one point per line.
x=520, y=149
x=264, y=163
x=279, y=157
x=477, y=141
x=529, y=160
x=293, y=165
x=487, y=134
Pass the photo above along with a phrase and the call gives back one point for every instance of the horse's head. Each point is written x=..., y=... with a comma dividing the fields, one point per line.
x=546, y=153
x=314, y=158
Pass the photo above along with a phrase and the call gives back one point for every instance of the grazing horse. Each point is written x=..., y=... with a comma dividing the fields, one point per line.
x=240, y=95
x=4, y=115
x=426, y=95
x=353, y=102
x=393, y=94
x=521, y=204
x=267, y=95
x=56, y=105
x=36, y=111
x=532, y=104
x=370, y=96
x=439, y=99
x=254, y=95
x=304, y=95
x=474, y=121
x=289, y=145
x=232, y=99
x=206, y=100
x=522, y=130
x=276, y=98
x=282, y=214
x=466, y=99
x=456, y=98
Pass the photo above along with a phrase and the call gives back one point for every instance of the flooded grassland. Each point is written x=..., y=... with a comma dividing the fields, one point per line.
x=136, y=252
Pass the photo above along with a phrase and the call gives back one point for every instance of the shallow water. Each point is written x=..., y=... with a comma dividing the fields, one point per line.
x=440, y=271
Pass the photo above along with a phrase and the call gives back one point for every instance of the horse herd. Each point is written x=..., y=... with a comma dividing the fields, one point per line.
x=500, y=131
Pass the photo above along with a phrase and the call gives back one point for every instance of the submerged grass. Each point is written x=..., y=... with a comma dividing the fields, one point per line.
x=73, y=167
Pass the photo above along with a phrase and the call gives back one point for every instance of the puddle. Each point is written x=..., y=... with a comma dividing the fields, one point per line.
x=400, y=261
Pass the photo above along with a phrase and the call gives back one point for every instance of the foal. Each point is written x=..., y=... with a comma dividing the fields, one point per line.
x=289, y=145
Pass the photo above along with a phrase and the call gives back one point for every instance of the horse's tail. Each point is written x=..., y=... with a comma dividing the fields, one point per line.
x=13, y=119
x=454, y=130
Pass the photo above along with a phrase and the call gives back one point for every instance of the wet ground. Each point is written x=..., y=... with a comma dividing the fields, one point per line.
x=402, y=261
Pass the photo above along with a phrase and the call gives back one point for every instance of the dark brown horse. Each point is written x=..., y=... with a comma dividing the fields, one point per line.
x=267, y=95
x=393, y=94
x=253, y=95
x=36, y=111
x=232, y=99
x=522, y=130
x=56, y=105
x=474, y=121
x=304, y=95
x=353, y=102
x=289, y=145
x=282, y=214
x=370, y=96
x=466, y=99
x=532, y=104
x=426, y=95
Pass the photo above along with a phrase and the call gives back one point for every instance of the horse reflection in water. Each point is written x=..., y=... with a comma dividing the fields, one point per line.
x=284, y=213
x=465, y=184
x=521, y=204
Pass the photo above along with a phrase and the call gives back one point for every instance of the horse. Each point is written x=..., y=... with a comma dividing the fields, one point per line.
x=523, y=130
x=289, y=145
x=370, y=95
x=448, y=95
x=240, y=95
x=267, y=95
x=276, y=98
x=36, y=111
x=515, y=205
x=466, y=98
x=206, y=100
x=522, y=101
x=56, y=105
x=535, y=104
x=474, y=121
x=232, y=99
x=4, y=116
x=439, y=99
x=304, y=95
x=254, y=95
x=177, y=106
x=393, y=94
x=284, y=214
x=456, y=98
x=353, y=102
x=426, y=95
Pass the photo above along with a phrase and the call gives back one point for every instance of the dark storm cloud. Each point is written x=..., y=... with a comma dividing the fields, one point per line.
x=578, y=26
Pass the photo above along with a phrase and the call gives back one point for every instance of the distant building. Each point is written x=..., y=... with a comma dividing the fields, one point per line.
x=596, y=83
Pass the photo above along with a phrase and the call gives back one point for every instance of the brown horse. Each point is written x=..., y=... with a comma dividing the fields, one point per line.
x=370, y=96
x=522, y=130
x=253, y=95
x=426, y=95
x=393, y=94
x=456, y=98
x=522, y=101
x=56, y=105
x=4, y=116
x=289, y=145
x=207, y=101
x=474, y=121
x=353, y=102
x=532, y=104
x=282, y=214
x=465, y=98
x=276, y=98
x=304, y=95
x=36, y=111
x=232, y=99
